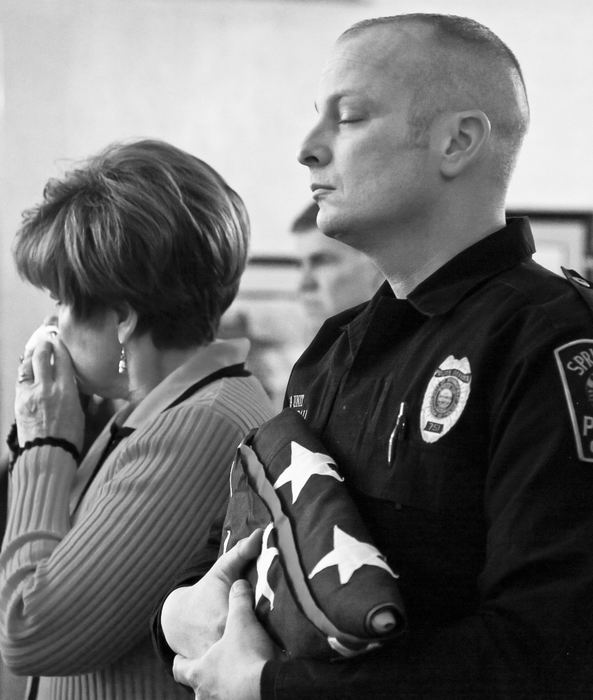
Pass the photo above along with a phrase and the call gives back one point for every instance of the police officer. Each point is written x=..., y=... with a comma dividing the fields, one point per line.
x=458, y=402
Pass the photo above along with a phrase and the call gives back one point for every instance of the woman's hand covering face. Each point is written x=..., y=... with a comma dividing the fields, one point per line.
x=47, y=403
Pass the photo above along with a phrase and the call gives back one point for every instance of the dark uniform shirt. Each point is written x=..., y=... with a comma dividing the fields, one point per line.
x=463, y=421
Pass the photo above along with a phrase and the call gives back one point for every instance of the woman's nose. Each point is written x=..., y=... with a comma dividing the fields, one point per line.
x=314, y=150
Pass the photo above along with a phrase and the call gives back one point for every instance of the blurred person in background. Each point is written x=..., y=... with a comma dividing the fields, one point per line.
x=334, y=276
x=273, y=346
x=142, y=247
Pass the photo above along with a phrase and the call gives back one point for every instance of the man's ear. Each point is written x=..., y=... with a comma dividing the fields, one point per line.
x=462, y=137
x=127, y=320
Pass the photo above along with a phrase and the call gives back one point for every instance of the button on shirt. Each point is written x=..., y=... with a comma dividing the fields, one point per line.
x=479, y=494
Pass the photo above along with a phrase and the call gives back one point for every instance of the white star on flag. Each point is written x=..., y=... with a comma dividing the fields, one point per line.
x=303, y=464
x=349, y=555
x=264, y=561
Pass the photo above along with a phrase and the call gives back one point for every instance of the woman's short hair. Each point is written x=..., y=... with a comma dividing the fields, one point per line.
x=142, y=223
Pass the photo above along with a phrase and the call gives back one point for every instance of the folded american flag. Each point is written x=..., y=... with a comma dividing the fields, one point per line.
x=322, y=589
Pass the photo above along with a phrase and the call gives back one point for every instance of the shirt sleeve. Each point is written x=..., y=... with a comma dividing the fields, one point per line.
x=192, y=572
x=76, y=596
x=531, y=633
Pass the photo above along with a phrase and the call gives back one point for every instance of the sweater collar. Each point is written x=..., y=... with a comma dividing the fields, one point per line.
x=207, y=359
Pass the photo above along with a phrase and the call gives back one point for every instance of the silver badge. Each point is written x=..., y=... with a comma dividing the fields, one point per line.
x=445, y=398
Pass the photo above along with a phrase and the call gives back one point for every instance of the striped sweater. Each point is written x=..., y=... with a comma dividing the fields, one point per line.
x=77, y=586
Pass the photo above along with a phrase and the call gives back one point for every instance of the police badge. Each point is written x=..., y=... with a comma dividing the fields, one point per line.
x=445, y=398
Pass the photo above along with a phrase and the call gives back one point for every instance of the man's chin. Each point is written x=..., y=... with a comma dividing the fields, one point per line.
x=333, y=226
x=327, y=220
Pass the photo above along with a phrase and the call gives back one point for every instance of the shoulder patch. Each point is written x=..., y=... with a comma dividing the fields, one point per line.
x=575, y=364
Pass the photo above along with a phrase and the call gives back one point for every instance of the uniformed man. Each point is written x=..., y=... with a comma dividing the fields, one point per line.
x=457, y=401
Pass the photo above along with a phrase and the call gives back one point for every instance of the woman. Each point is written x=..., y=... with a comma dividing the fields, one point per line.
x=142, y=249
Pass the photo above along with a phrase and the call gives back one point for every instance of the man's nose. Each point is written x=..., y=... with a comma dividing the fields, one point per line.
x=314, y=150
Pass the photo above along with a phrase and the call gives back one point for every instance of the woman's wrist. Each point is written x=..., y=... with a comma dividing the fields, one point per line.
x=17, y=450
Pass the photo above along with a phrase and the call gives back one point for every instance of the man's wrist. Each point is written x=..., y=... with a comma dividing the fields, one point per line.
x=268, y=676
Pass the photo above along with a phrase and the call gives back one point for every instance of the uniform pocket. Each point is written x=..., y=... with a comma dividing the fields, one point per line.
x=432, y=478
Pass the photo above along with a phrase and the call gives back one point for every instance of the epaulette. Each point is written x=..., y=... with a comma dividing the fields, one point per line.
x=583, y=286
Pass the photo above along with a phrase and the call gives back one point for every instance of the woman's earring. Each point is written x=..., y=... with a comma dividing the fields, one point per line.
x=122, y=367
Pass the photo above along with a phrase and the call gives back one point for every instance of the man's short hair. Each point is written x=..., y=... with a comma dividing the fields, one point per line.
x=306, y=220
x=468, y=67
x=142, y=223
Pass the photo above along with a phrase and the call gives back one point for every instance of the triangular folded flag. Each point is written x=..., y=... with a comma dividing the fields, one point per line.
x=322, y=589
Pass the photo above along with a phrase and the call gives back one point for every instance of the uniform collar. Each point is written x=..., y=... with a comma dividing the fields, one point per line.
x=499, y=251
x=207, y=359
x=446, y=287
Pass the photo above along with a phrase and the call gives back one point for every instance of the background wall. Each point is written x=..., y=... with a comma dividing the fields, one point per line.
x=234, y=81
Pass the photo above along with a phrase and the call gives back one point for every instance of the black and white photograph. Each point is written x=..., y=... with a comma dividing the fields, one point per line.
x=296, y=350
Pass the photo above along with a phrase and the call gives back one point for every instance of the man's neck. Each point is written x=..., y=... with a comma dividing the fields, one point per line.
x=406, y=261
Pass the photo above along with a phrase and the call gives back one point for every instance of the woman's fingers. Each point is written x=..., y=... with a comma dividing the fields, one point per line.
x=25, y=371
x=41, y=361
x=44, y=332
x=47, y=401
x=42, y=344
x=50, y=362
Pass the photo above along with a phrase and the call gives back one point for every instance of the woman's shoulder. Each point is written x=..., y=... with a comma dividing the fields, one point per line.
x=239, y=399
x=235, y=402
